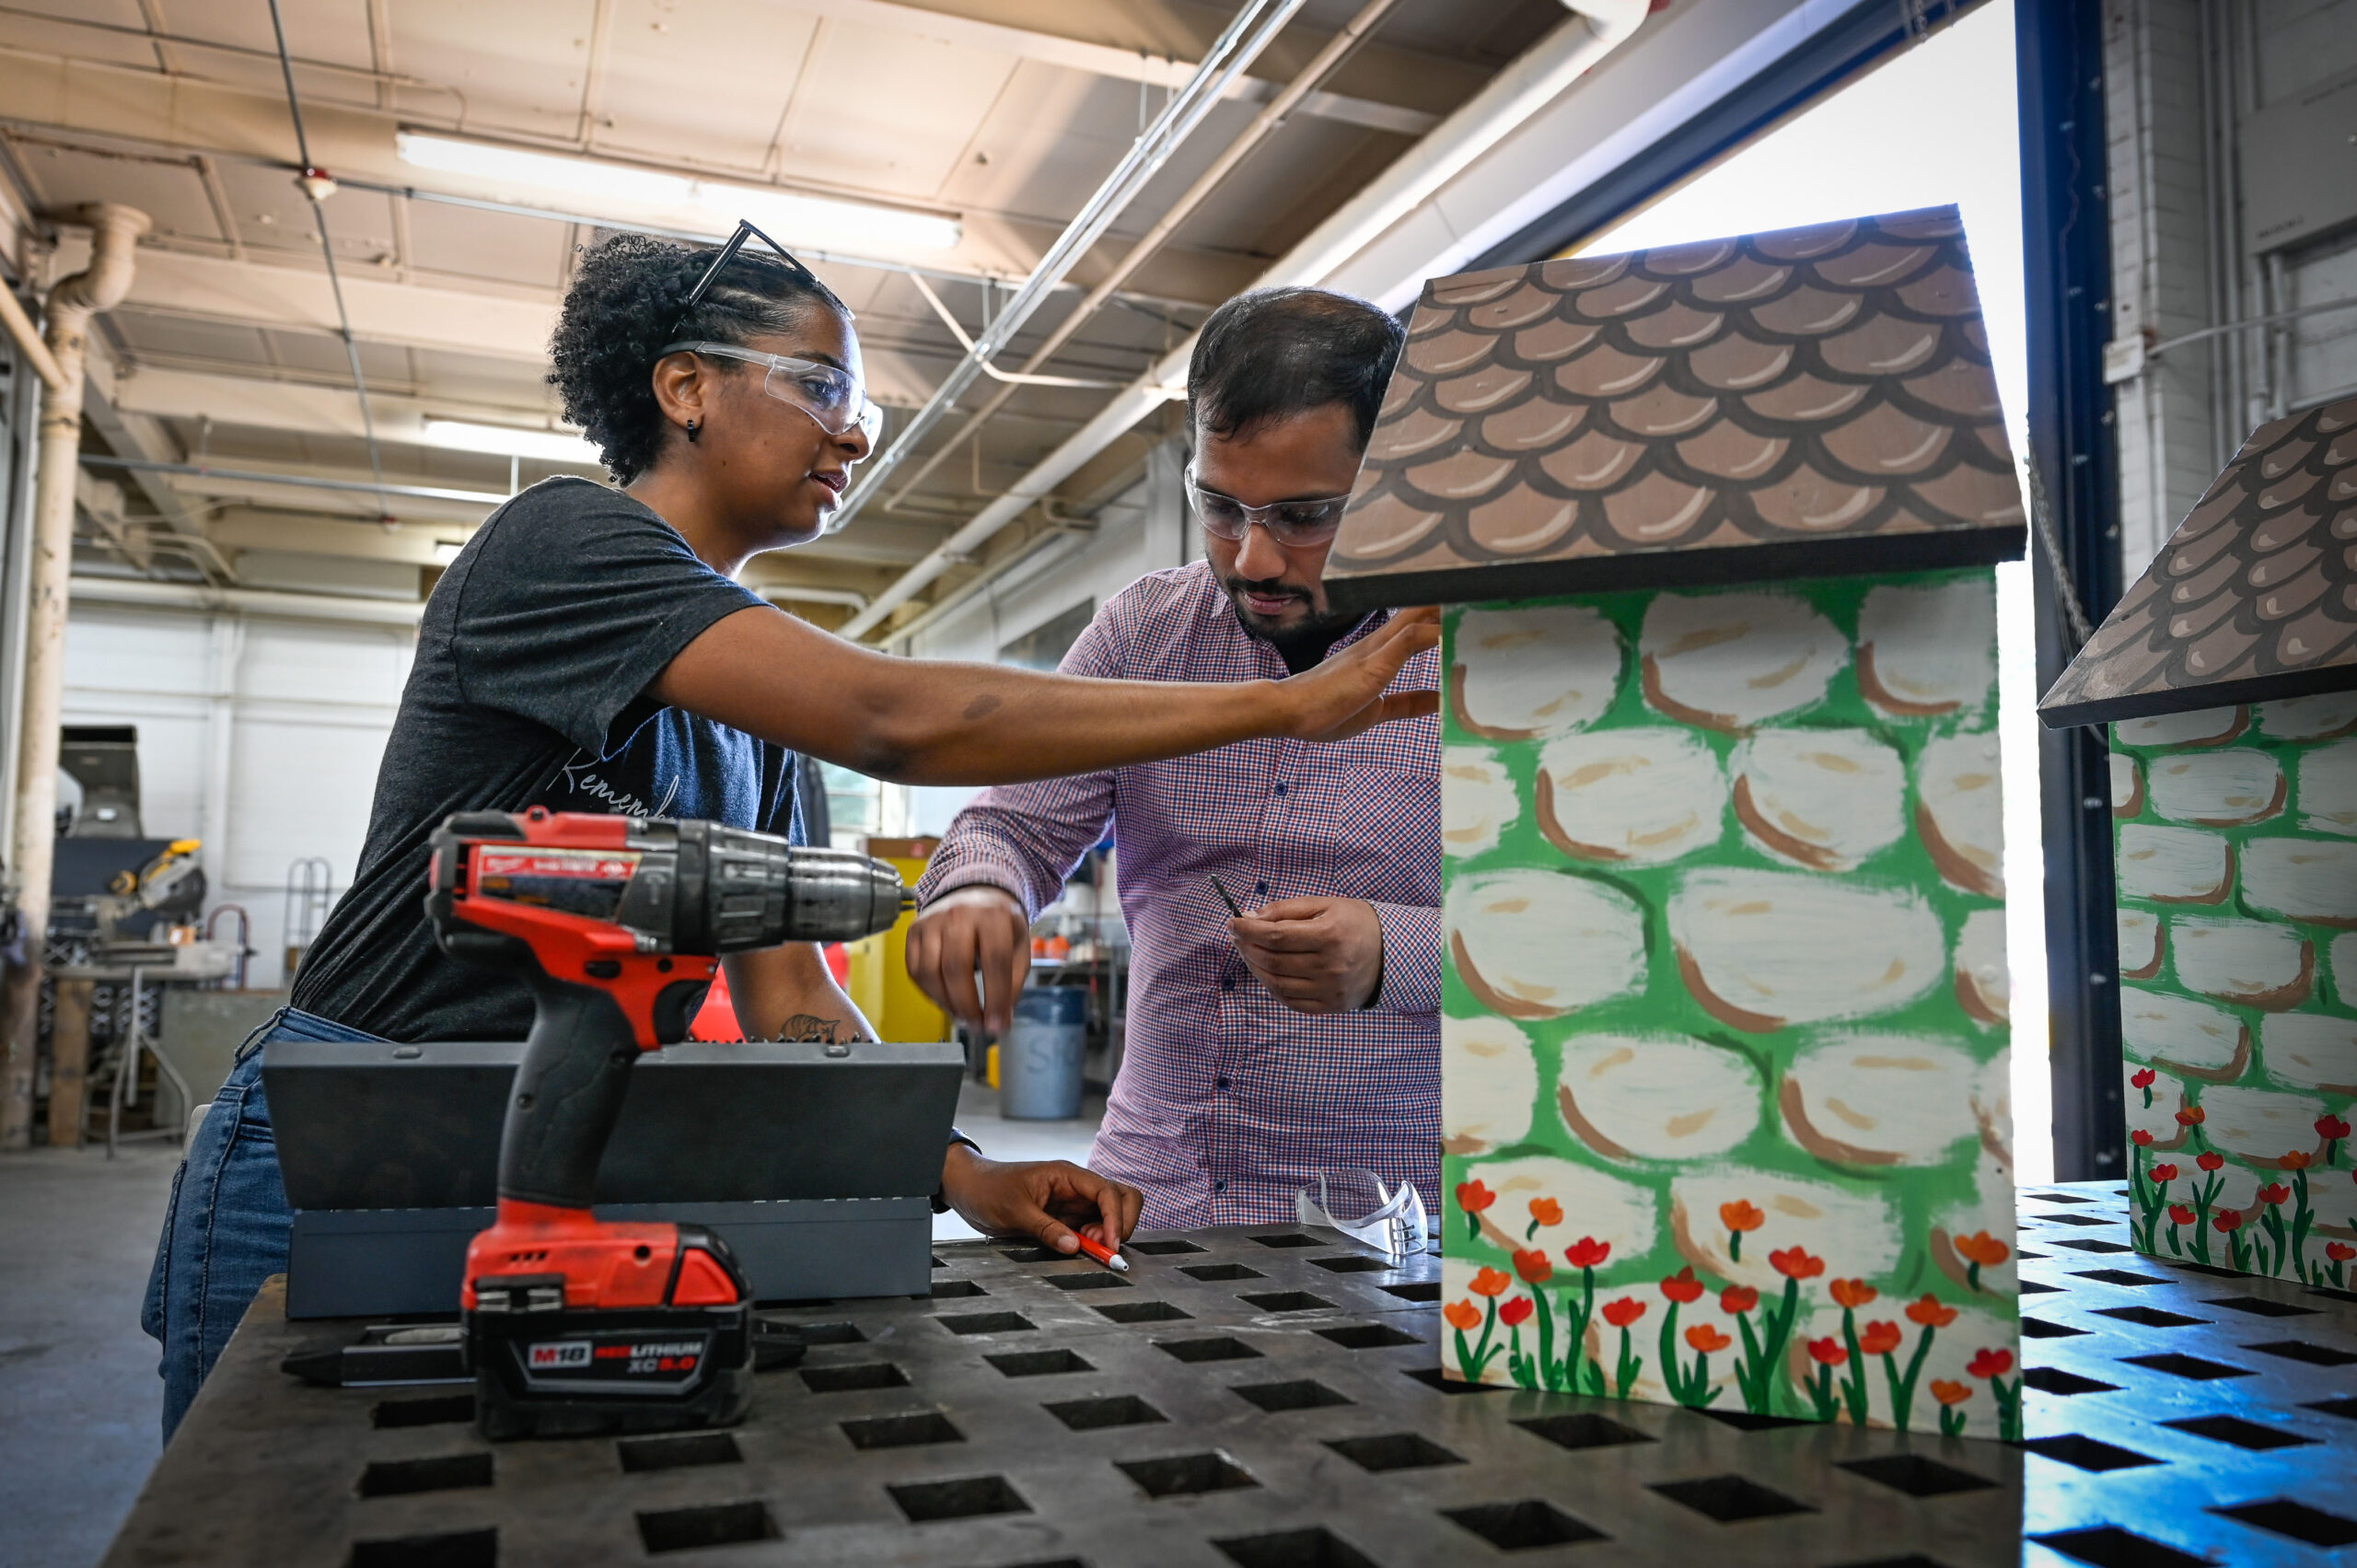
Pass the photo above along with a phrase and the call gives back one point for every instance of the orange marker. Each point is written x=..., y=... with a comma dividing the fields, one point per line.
x=1102, y=1253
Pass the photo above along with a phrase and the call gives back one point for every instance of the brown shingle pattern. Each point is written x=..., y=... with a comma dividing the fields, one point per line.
x=2253, y=599
x=1809, y=402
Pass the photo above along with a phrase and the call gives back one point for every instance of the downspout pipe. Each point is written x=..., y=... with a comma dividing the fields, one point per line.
x=1521, y=90
x=73, y=302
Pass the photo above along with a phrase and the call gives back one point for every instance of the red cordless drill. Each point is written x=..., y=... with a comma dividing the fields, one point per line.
x=576, y=1325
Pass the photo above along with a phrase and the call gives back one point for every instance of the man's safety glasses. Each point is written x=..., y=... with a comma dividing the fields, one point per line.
x=1310, y=521
x=832, y=397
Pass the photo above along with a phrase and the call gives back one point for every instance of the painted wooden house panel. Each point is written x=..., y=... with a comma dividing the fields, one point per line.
x=2227, y=675
x=1725, y=1037
x=1724, y=1060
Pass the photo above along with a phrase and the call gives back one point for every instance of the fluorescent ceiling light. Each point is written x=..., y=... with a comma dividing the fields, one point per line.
x=819, y=221
x=506, y=441
x=447, y=550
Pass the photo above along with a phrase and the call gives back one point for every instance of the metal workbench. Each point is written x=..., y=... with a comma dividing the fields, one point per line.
x=1270, y=1398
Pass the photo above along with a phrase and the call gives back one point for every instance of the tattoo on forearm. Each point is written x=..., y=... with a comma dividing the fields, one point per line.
x=811, y=1026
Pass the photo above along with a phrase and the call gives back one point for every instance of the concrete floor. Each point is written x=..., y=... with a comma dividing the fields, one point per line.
x=80, y=1402
x=79, y=1399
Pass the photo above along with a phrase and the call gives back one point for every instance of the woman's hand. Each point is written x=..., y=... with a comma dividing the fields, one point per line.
x=1045, y=1199
x=1343, y=695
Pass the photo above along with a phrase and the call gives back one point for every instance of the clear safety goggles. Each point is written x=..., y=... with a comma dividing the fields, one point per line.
x=1311, y=521
x=1358, y=1203
x=832, y=397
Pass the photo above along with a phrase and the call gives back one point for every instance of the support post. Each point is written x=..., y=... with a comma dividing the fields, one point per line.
x=115, y=231
x=69, y=1065
x=2066, y=253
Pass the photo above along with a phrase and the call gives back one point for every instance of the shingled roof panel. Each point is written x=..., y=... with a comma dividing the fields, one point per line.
x=2254, y=598
x=1810, y=401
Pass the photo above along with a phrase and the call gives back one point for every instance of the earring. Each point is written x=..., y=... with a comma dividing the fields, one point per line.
x=692, y=433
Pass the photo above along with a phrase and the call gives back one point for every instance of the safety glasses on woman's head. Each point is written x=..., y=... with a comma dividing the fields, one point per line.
x=1313, y=520
x=833, y=398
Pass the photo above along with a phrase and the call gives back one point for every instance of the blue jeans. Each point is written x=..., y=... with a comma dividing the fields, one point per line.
x=225, y=1228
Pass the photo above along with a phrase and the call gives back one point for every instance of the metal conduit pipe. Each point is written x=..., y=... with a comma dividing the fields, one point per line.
x=1274, y=114
x=1255, y=28
x=145, y=592
x=1516, y=93
x=115, y=232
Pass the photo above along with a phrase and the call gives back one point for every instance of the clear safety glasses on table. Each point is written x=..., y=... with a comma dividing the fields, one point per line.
x=1359, y=1204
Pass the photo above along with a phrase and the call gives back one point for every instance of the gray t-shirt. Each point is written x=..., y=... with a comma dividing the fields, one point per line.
x=533, y=660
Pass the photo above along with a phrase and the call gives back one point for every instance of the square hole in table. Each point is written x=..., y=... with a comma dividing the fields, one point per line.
x=914, y=1430
x=1913, y=1560
x=1195, y=1351
x=1366, y=1336
x=640, y=1455
x=1750, y=1421
x=2122, y=1277
x=1039, y=1363
x=1164, y=1249
x=1352, y=1264
x=2345, y=1409
x=1288, y=1301
x=1413, y=1290
x=1580, y=1430
x=443, y=1410
x=1108, y=1281
x=939, y=1264
x=2200, y=1369
x=2148, y=1317
x=2301, y=1350
x=2108, y=1546
x=2090, y=1244
x=986, y=1323
x=1434, y=1378
x=452, y=1548
x=1394, y=1451
x=1035, y=1255
x=1915, y=1475
x=1140, y=1312
x=2242, y=1433
x=2086, y=1454
x=2054, y=1380
x=2076, y=1219
x=2057, y=1197
x=859, y=1375
x=1185, y=1475
x=1114, y=1409
x=1312, y=1548
x=1730, y=1499
x=1521, y=1527
x=1300, y=1394
x=1290, y=1239
x=830, y=1334
x=2259, y=1306
x=2040, y=1329
x=442, y=1473
x=1214, y=1273
x=2286, y=1517
x=2031, y=1288
x=2192, y=1268
x=723, y=1524
x=924, y=1501
x=951, y=1290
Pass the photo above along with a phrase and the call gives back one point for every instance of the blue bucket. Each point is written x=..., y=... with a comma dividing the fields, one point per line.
x=1038, y=1062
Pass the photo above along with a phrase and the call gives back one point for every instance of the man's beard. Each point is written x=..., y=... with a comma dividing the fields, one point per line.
x=1318, y=630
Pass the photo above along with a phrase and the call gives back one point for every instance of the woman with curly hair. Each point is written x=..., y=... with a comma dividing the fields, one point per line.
x=590, y=650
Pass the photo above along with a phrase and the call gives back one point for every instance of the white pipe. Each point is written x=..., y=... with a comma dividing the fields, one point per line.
x=29, y=343
x=72, y=303
x=148, y=593
x=776, y=591
x=1521, y=90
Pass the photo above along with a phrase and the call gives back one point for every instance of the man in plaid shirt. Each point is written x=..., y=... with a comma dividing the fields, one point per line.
x=1306, y=1034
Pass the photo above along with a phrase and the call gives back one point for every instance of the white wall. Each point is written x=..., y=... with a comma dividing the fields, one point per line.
x=259, y=735
x=1143, y=529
